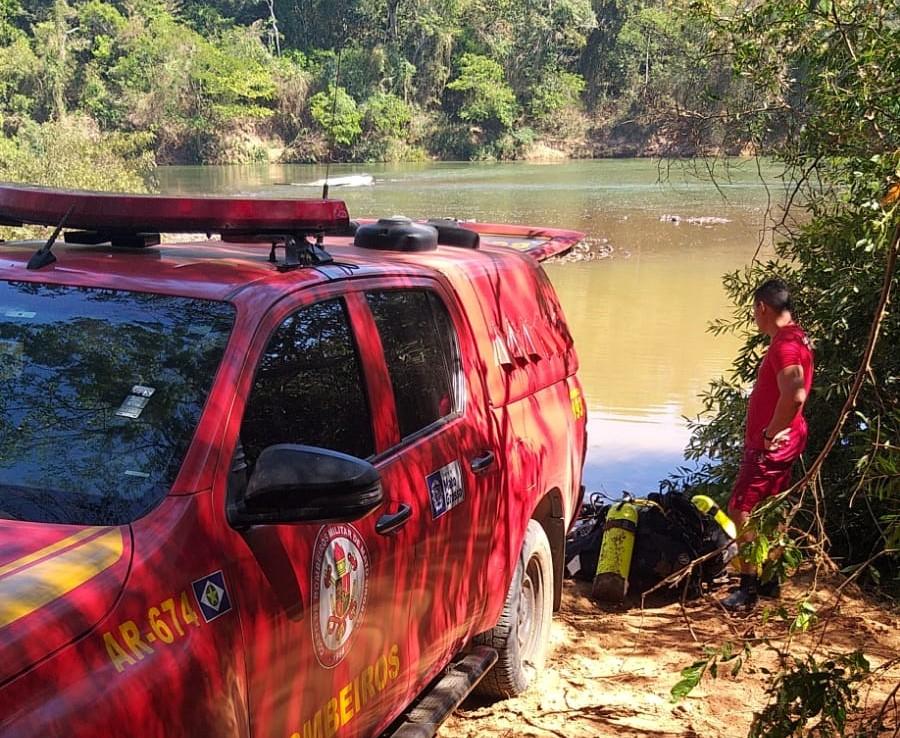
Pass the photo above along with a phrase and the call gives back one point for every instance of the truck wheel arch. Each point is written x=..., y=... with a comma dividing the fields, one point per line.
x=550, y=513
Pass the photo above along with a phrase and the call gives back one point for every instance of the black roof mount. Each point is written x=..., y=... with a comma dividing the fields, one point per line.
x=301, y=253
x=119, y=239
x=402, y=234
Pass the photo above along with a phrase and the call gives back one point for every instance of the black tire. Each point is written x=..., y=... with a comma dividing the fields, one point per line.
x=523, y=631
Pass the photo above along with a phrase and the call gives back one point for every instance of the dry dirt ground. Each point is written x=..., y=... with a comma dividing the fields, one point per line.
x=610, y=672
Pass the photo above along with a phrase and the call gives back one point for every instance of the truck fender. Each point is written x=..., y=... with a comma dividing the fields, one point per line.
x=550, y=513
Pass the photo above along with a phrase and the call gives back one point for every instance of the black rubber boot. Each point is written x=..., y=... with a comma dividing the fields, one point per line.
x=746, y=595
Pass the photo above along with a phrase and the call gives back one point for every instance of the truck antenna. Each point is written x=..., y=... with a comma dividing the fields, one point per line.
x=334, y=94
x=44, y=256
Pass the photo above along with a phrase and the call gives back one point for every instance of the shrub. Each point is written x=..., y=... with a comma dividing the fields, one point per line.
x=486, y=98
x=555, y=93
x=74, y=154
x=387, y=115
x=337, y=114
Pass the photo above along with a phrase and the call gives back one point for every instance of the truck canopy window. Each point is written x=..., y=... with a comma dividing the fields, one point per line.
x=422, y=355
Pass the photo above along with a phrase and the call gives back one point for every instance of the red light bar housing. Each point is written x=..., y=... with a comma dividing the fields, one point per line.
x=107, y=212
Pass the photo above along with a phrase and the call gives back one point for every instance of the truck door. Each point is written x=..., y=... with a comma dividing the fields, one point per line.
x=323, y=607
x=445, y=465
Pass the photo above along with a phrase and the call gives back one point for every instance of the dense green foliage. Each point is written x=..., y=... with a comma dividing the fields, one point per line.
x=827, y=75
x=814, y=84
x=486, y=98
x=76, y=152
x=244, y=80
x=813, y=691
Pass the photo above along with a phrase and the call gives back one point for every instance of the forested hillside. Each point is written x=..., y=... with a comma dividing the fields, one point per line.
x=304, y=80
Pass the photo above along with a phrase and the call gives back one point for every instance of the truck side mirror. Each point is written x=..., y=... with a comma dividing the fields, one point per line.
x=291, y=483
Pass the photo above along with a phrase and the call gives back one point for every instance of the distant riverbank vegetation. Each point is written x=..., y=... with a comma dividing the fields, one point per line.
x=236, y=81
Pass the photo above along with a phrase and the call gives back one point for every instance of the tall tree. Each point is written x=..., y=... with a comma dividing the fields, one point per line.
x=53, y=42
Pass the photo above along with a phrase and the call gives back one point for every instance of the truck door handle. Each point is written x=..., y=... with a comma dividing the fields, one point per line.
x=389, y=522
x=482, y=463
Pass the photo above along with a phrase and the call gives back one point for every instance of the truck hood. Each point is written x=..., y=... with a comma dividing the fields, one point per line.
x=56, y=583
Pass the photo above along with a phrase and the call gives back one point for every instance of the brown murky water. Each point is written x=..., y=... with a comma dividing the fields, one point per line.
x=639, y=317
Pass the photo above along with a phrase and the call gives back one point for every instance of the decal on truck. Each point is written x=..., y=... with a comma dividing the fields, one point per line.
x=165, y=623
x=212, y=596
x=340, y=584
x=445, y=489
x=133, y=405
x=350, y=699
x=43, y=576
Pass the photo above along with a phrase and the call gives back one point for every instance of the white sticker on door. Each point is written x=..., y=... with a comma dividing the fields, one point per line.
x=445, y=488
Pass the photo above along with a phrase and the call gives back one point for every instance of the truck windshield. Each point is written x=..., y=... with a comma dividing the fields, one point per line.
x=100, y=393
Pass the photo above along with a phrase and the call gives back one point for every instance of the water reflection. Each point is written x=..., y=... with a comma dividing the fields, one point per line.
x=639, y=318
x=632, y=453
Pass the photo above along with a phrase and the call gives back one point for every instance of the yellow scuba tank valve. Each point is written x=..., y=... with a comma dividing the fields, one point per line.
x=614, y=564
x=707, y=506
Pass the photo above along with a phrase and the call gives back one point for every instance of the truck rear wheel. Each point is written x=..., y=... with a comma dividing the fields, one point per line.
x=523, y=631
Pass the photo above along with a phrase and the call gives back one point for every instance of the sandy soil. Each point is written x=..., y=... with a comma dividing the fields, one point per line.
x=610, y=672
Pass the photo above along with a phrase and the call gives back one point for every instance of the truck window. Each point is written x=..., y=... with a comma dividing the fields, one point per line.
x=422, y=355
x=309, y=387
x=100, y=394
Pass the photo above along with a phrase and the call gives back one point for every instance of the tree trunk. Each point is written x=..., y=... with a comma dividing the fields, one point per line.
x=273, y=20
x=57, y=60
x=392, y=29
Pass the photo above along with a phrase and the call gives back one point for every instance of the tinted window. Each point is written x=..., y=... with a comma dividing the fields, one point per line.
x=309, y=387
x=421, y=353
x=100, y=394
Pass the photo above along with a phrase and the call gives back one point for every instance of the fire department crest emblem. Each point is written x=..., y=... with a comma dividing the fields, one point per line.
x=339, y=588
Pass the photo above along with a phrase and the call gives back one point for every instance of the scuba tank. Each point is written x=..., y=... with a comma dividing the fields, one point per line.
x=707, y=506
x=613, y=565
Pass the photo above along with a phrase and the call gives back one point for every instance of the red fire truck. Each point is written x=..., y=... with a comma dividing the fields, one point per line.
x=302, y=477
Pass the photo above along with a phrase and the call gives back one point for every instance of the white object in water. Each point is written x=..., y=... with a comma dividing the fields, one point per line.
x=351, y=180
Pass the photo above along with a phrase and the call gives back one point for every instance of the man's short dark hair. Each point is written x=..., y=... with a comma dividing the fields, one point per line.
x=775, y=293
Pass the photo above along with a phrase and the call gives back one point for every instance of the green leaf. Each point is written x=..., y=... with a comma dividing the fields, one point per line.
x=792, y=556
x=759, y=550
x=806, y=616
x=695, y=668
x=690, y=679
x=858, y=662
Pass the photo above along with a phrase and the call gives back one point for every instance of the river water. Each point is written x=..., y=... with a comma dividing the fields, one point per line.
x=639, y=317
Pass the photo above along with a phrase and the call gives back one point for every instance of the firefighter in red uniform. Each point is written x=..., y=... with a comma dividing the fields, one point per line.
x=776, y=429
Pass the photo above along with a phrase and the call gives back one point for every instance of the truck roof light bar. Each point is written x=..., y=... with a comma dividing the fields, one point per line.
x=101, y=211
x=135, y=220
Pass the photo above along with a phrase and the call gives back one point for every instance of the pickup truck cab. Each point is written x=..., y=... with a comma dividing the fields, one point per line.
x=292, y=481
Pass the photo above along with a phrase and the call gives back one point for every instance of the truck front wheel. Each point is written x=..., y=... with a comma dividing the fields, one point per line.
x=523, y=631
